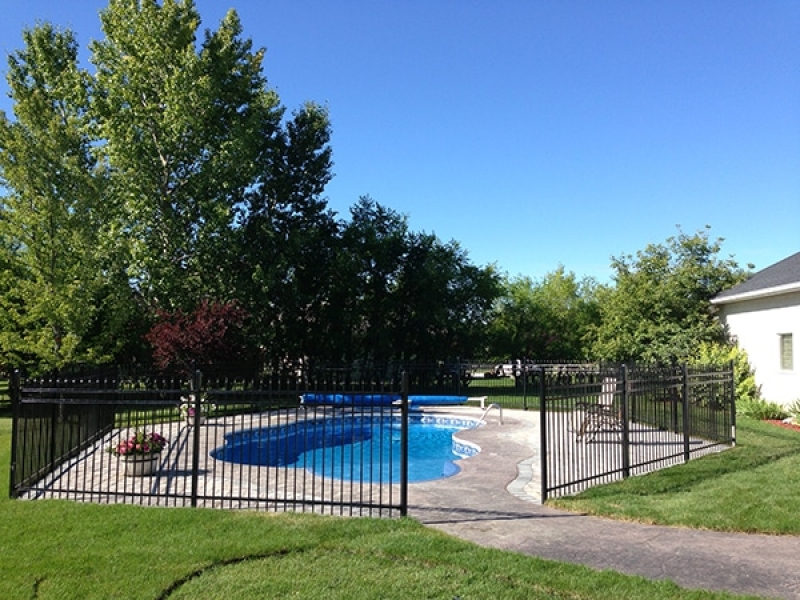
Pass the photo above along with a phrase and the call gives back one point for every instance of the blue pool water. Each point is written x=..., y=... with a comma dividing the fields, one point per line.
x=354, y=449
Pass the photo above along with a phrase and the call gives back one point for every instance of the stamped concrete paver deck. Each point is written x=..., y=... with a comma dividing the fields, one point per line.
x=492, y=503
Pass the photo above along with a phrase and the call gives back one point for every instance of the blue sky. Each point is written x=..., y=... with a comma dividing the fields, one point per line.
x=538, y=133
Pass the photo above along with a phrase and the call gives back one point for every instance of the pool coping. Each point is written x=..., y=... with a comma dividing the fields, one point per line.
x=509, y=457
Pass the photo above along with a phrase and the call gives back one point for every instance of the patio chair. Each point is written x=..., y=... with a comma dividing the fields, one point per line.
x=603, y=415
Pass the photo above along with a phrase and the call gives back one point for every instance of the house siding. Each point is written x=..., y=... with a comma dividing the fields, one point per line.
x=757, y=325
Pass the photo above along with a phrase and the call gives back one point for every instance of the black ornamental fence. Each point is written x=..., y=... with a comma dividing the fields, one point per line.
x=285, y=442
x=228, y=442
x=604, y=423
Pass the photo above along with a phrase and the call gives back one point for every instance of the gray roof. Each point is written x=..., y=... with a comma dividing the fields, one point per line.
x=782, y=276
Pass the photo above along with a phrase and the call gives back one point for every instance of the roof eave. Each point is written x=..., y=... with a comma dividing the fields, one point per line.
x=764, y=293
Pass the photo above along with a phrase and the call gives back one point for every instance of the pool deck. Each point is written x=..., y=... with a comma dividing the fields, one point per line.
x=493, y=502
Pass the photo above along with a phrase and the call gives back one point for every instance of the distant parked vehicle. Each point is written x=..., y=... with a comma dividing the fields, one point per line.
x=515, y=368
x=503, y=370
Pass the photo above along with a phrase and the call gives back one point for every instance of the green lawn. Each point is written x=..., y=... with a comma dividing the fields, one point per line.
x=61, y=549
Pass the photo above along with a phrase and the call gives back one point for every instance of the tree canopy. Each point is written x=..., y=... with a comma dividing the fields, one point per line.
x=184, y=128
x=170, y=190
x=53, y=210
x=171, y=180
x=659, y=308
x=551, y=319
x=403, y=295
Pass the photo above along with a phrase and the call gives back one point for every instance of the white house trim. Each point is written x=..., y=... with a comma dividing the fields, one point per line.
x=766, y=293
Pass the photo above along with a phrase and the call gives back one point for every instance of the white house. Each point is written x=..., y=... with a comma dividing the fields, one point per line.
x=763, y=315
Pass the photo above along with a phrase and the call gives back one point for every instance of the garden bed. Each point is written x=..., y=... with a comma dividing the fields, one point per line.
x=792, y=426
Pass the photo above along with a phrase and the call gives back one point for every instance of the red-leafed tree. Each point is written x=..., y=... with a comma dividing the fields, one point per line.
x=213, y=334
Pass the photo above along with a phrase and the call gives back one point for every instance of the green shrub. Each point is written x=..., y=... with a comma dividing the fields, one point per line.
x=760, y=409
x=794, y=411
x=711, y=353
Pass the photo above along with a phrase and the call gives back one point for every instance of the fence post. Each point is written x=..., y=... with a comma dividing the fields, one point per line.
x=197, y=383
x=55, y=409
x=543, y=431
x=673, y=405
x=732, y=387
x=686, y=420
x=626, y=437
x=16, y=396
x=525, y=383
x=404, y=446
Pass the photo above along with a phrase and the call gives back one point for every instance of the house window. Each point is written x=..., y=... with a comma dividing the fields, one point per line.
x=787, y=361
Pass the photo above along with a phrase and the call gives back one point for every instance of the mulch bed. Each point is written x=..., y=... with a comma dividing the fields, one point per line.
x=784, y=425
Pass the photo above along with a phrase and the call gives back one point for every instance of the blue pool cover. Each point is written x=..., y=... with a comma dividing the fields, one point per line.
x=379, y=400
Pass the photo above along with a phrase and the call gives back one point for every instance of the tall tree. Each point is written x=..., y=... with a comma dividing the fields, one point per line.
x=184, y=129
x=549, y=319
x=133, y=189
x=373, y=246
x=170, y=178
x=659, y=309
x=405, y=295
x=288, y=237
x=53, y=212
x=442, y=302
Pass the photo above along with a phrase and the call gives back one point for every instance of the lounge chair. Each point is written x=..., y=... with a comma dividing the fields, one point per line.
x=603, y=415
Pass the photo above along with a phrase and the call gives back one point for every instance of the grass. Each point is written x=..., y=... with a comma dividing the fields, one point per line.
x=127, y=551
x=505, y=391
x=61, y=549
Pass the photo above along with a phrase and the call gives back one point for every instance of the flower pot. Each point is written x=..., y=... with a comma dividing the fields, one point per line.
x=140, y=465
x=191, y=420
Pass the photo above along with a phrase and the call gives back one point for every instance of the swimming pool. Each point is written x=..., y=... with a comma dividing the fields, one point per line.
x=357, y=448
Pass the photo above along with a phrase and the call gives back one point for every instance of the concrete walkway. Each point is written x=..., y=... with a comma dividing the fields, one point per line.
x=481, y=509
